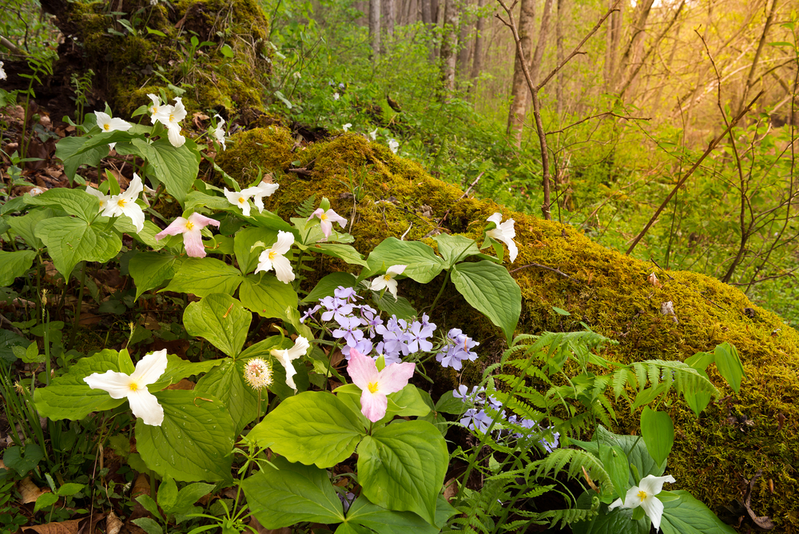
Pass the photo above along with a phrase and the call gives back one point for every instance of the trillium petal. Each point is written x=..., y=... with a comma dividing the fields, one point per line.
x=300, y=347
x=264, y=263
x=178, y=226
x=653, y=508
x=145, y=406
x=396, y=270
x=116, y=384
x=283, y=243
x=283, y=270
x=282, y=355
x=150, y=368
x=136, y=215
x=391, y=285
x=378, y=284
x=395, y=377
x=373, y=405
x=173, y=133
x=193, y=242
x=202, y=220
x=653, y=485
x=362, y=369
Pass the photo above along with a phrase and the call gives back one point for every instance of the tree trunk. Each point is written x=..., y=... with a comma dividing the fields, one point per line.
x=463, y=41
x=449, y=47
x=560, y=56
x=519, y=90
x=753, y=69
x=638, y=32
x=612, y=46
x=389, y=17
x=374, y=25
x=477, y=54
x=427, y=11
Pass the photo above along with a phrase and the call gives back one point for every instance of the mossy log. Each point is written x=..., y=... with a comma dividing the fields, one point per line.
x=716, y=455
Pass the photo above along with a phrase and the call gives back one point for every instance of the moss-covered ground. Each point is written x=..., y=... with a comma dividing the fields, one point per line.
x=715, y=456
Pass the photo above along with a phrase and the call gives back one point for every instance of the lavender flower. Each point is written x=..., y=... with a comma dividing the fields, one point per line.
x=476, y=420
x=349, y=330
x=457, y=349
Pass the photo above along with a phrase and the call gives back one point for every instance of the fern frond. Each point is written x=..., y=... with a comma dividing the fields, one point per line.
x=561, y=518
x=306, y=208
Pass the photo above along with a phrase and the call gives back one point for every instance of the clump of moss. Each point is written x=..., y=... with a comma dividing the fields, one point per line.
x=754, y=431
x=148, y=50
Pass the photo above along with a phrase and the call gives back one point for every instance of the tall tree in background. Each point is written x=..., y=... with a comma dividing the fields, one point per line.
x=477, y=53
x=389, y=16
x=374, y=25
x=518, y=90
x=449, y=46
x=751, y=76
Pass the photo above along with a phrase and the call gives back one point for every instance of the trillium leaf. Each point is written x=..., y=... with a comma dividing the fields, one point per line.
x=313, y=427
x=617, y=466
x=243, y=242
x=618, y=521
x=193, y=443
x=290, y=493
x=401, y=467
x=71, y=240
x=363, y=512
x=69, y=397
x=422, y=263
x=14, y=264
x=220, y=319
x=151, y=269
x=455, y=248
x=657, y=430
x=342, y=252
x=76, y=202
x=687, y=515
x=491, y=290
x=176, y=168
x=25, y=225
x=226, y=382
x=327, y=286
x=267, y=296
x=203, y=276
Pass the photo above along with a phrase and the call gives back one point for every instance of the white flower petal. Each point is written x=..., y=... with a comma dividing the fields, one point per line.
x=150, y=368
x=283, y=269
x=116, y=384
x=145, y=406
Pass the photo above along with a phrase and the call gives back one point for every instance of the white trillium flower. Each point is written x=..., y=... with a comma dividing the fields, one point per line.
x=240, y=199
x=504, y=232
x=387, y=280
x=125, y=204
x=347, y=127
x=170, y=116
x=108, y=124
x=373, y=134
x=219, y=132
x=336, y=96
x=286, y=356
x=154, y=108
x=258, y=192
x=393, y=144
x=2, y=72
x=644, y=495
x=274, y=258
x=143, y=404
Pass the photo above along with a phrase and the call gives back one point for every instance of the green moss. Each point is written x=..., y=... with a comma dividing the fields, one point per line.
x=131, y=64
x=754, y=430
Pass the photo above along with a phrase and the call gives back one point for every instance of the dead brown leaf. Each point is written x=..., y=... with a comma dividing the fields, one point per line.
x=113, y=524
x=184, y=384
x=30, y=491
x=450, y=489
x=62, y=527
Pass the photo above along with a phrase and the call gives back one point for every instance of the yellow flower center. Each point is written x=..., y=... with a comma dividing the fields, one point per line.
x=242, y=200
x=189, y=225
x=642, y=495
x=133, y=386
x=272, y=255
x=387, y=277
x=121, y=202
x=372, y=387
x=323, y=217
x=106, y=127
x=171, y=118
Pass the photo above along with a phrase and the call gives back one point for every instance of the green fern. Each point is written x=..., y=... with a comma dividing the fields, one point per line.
x=307, y=207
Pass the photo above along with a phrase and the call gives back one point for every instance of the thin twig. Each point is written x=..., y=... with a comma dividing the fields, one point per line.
x=554, y=270
x=11, y=326
x=612, y=114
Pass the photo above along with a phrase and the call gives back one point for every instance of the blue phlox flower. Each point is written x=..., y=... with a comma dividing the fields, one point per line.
x=371, y=319
x=309, y=313
x=476, y=420
x=346, y=294
x=364, y=346
x=417, y=337
x=350, y=329
x=335, y=307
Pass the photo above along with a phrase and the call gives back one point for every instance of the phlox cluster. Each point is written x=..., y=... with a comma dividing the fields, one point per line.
x=486, y=410
x=457, y=349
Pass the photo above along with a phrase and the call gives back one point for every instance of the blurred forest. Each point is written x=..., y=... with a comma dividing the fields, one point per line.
x=662, y=128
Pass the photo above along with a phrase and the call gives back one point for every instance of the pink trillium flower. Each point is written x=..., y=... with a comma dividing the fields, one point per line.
x=375, y=385
x=191, y=229
x=133, y=387
x=327, y=219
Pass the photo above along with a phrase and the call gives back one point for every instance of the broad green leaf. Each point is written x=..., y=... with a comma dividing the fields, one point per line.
x=615, y=462
x=69, y=397
x=618, y=521
x=635, y=449
x=148, y=525
x=176, y=168
x=399, y=306
x=9, y=342
x=226, y=382
x=729, y=365
x=314, y=427
x=363, y=512
x=22, y=459
x=406, y=402
x=657, y=430
x=352, y=528
x=44, y=501
x=178, y=369
x=490, y=289
x=167, y=494
x=203, y=276
x=71, y=240
x=150, y=269
x=190, y=495
x=146, y=236
x=70, y=488
x=193, y=443
x=422, y=265
x=455, y=248
x=291, y=493
x=86, y=150
x=243, y=242
x=14, y=264
x=687, y=515
x=267, y=296
x=342, y=252
x=401, y=467
x=220, y=319
x=327, y=286
x=76, y=202
x=25, y=225
x=198, y=199
x=449, y=403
